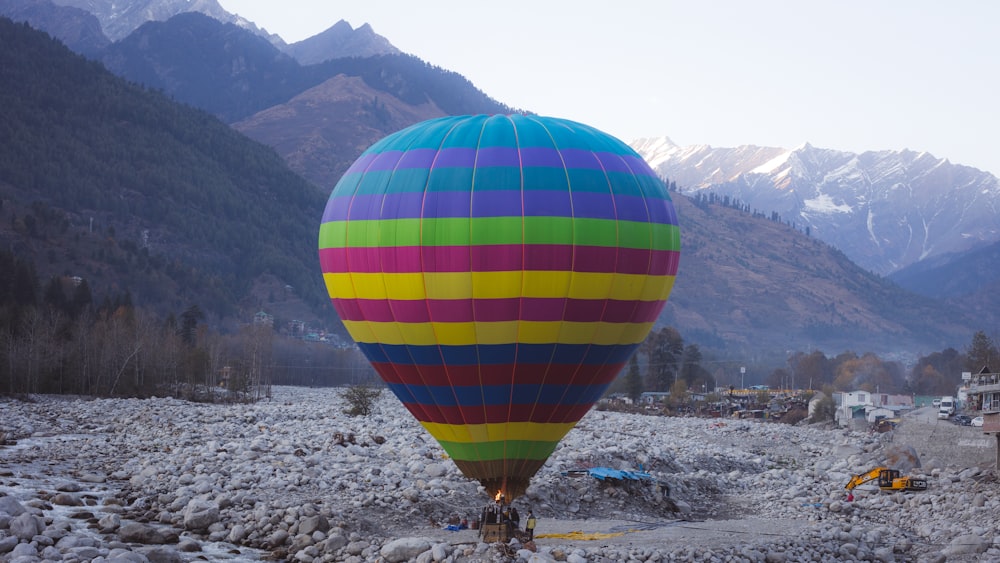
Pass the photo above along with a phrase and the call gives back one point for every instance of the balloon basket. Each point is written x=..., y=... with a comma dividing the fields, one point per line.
x=493, y=533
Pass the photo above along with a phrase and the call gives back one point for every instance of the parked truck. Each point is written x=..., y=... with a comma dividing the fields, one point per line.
x=947, y=407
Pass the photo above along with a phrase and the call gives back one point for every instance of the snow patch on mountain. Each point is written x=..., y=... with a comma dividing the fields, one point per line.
x=825, y=204
x=774, y=164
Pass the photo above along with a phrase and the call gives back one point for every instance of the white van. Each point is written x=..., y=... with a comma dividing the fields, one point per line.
x=947, y=407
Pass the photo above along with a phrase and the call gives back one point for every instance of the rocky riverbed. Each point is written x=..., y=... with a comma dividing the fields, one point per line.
x=294, y=478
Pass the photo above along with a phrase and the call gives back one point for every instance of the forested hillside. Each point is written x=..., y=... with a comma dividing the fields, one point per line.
x=126, y=188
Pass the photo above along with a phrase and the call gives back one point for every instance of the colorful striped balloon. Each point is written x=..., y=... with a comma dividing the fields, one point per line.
x=498, y=272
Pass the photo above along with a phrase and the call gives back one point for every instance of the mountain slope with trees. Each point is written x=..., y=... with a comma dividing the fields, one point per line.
x=751, y=284
x=122, y=186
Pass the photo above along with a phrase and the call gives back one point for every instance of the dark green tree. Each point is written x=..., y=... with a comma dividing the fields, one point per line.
x=189, y=324
x=665, y=349
x=633, y=379
x=982, y=353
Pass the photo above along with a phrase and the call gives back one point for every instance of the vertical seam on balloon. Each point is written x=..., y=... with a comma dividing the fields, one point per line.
x=472, y=292
x=652, y=230
x=347, y=246
x=537, y=444
x=614, y=278
x=520, y=307
x=579, y=367
x=423, y=278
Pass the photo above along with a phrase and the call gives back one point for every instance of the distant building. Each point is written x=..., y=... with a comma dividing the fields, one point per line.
x=262, y=318
x=653, y=397
x=984, y=394
x=859, y=405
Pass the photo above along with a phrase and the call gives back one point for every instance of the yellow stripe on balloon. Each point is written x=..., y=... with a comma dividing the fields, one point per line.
x=499, y=285
x=503, y=332
x=479, y=433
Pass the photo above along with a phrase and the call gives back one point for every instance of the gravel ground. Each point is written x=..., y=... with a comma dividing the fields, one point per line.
x=293, y=478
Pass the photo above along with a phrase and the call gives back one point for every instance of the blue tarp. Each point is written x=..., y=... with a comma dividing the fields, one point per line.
x=604, y=473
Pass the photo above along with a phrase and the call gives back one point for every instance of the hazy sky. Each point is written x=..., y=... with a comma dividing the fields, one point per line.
x=853, y=75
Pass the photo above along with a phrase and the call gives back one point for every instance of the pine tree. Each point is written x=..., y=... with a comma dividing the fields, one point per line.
x=982, y=353
x=633, y=380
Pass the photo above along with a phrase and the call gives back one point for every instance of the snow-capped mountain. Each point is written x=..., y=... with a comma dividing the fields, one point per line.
x=884, y=209
x=119, y=18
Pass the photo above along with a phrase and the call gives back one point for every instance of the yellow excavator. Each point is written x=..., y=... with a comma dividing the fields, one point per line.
x=888, y=480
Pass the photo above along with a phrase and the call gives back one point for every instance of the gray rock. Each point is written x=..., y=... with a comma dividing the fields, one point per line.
x=188, y=545
x=11, y=506
x=93, y=478
x=314, y=523
x=66, y=499
x=126, y=556
x=440, y=551
x=404, y=549
x=109, y=523
x=200, y=514
x=134, y=532
x=334, y=542
x=26, y=526
x=278, y=537
x=967, y=544
x=7, y=543
x=25, y=550
x=163, y=555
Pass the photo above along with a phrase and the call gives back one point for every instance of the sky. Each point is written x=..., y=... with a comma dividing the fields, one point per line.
x=851, y=75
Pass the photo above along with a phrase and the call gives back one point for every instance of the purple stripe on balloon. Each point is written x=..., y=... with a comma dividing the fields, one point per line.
x=582, y=159
x=594, y=205
x=547, y=203
x=385, y=161
x=499, y=203
x=496, y=203
x=497, y=310
x=632, y=208
x=467, y=157
x=417, y=158
x=612, y=162
x=499, y=258
x=661, y=211
x=542, y=157
x=455, y=157
x=498, y=156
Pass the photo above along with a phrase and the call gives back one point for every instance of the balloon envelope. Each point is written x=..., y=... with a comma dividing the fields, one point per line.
x=498, y=272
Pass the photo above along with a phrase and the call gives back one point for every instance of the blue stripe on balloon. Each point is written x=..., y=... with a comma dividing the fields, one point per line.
x=498, y=354
x=474, y=395
x=500, y=203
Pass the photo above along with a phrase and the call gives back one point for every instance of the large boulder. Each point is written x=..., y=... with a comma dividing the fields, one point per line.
x=404, y=549
x=200, y=514
x=969, y=544
x=134, y=532
x=11, y=506
x=26, y=526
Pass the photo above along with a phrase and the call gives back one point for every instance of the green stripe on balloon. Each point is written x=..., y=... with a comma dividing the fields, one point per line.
x=499, y=230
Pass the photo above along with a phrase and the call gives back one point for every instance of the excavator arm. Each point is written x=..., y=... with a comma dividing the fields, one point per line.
x=862, y=478
x=888, y=480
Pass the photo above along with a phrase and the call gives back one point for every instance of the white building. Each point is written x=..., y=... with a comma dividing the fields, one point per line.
x=866, y=406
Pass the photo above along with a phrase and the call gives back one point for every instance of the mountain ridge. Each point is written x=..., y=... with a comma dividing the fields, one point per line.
x=884, y=209
x=758, y=285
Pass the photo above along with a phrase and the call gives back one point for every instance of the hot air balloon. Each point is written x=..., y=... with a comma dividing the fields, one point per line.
x=498, y=272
